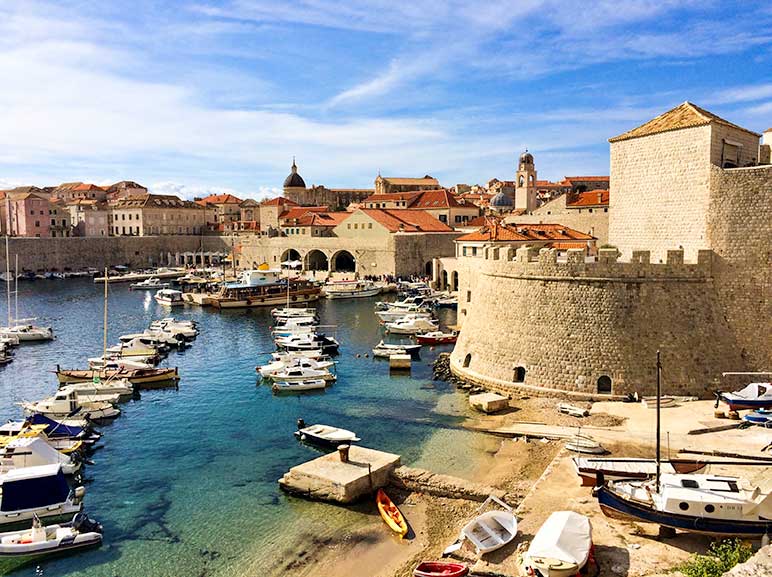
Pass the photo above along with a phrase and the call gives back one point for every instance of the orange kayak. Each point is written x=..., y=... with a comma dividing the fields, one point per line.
x=391, y=514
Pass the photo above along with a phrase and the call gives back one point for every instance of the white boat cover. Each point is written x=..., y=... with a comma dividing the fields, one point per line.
x=754, y=391
x=566, y=536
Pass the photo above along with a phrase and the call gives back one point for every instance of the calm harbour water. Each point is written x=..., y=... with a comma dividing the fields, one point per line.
x=185, y=483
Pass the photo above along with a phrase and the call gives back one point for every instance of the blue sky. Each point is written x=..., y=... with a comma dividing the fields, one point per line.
x=196, y=96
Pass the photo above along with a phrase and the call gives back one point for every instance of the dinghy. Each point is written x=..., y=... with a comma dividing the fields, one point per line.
x=753, y=396
x=391, y=514
x=387, y=349
x=30, y=544
x=572, y=410
x=491, y=530
x=584, y=444
x=324, y=435
x=436, y=338
x=291, y=386
x=561, y=547
x=441, y=569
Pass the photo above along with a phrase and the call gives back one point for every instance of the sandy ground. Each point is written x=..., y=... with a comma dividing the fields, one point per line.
x=622, y=548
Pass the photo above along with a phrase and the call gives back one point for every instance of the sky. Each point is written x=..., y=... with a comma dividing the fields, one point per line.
x=192, y=97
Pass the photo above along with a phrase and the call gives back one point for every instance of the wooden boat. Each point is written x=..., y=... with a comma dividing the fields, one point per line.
x=561, y=547
x=615, y=469
x=491, y=530
x=572, y=410
x=136, y=377
x=261, y=288
x=441, y=569
x=753, y=396
x=291, y=386
x=324, y=435
x=436, y=338
x=391, y=514
x=584, y=444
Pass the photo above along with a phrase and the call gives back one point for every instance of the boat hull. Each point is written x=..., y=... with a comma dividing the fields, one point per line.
x=743, y=404
x=149, y=377
x=353, y=294
x=440, y=569
x=435, y=340
x=391, y=514
x=263, y=301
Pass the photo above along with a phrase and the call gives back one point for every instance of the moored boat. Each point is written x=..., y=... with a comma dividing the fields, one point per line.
x=21, y=452
x=391, y=514
x=350, y=289
x=441, y=569
x=436, y=338
x=387, y=349
x=324, y=435
x=291, y=386
x=561, y=547
x=614, y=469
x=41, y=491
x=67, y=403
x=259, y=288
x=149, y=283
x=137, y=377
x=169, y=297
x=28, y=333
x=410, y=325
x=299, y=373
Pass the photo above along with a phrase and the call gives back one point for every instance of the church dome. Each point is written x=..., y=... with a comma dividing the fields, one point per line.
x=294, y=180
x=501, y=200
x=526, y=158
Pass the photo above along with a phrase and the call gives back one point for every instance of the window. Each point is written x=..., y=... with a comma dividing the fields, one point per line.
x=37, y=223
x=463, y=251
x=53, y=222
x=467, y=359
x=370, y=225
x=474, y=251
x=444, y=218
x=348, y=226
x=730, y=154
x=356, y=226
x=64, y=222
x=520, y=374
x=605, y=210
x=458, y=218
x=468, y=296
x=590, y=210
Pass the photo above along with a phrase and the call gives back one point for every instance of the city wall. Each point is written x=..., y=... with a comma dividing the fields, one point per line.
x=79, y=253
x=533, y=322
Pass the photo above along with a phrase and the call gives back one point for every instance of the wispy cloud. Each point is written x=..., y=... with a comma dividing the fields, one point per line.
x=747, y=93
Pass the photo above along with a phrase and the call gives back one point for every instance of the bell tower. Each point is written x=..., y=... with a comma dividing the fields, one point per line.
x=525, y=183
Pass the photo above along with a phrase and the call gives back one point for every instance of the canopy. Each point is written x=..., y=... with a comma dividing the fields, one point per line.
x=292, y=263
x=566, y=536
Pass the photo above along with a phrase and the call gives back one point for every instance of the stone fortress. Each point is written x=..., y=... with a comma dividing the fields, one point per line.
x=689, y=274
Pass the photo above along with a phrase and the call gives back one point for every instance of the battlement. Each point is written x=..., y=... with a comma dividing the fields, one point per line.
x=544, y=264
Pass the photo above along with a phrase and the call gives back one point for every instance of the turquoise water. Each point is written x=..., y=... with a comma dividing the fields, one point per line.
x=186, y=480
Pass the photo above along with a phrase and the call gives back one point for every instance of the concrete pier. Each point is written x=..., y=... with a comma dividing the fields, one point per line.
x=327, y=478
x=489, y=402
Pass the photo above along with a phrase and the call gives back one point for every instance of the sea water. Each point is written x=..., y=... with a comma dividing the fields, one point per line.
x=185, y=481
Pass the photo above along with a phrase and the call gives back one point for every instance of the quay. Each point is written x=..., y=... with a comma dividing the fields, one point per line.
x=140, y=276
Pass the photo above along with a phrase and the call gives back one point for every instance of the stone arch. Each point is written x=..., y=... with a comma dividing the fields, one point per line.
x=343, y=261
x=428, y=268
x=521, y=181
x=604, y=384
x=290, y=254
x=467, y=360
x=316, y=260
x=519, y=374
x=444, y=280
x=454, y=281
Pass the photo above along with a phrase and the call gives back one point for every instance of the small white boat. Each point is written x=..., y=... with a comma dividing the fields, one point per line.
x=561, y=547
x=25, y=333
x=169, y=297
x=392, y=315
x=298, y=385
x=23, y=452
x=324, y=435
x=584, y=444
x=350, y=289
x=66, y=404
x=117, y=363
x=491, y=530
x=301, y=374
x=411, y=325
x=275, y=367
x=289, y=312
x=387, y=349
x=54, y=498
x=30, y=544
x=308, y=354
x=408, y=303
x=307, y=342
x=119, y=387
x=150, y=283
x=572, y=410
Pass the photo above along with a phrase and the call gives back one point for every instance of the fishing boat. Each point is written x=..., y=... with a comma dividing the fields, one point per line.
x=149, y=283
x=259, y=288
x=22, y=452
x=436, y=338
x=391, y=514
x=27, y=545
x=41, y=491
x=440, y=569
x=387, y=349
x=275, y=367
x=291, y=386
x=350, y=289
x=583, y=444
x=491, y=530
x=614, y=469
x=762, y=417
x=411, y=325
x=561, y=547
x=67, y=404
x=299, y=373
x=753, y=396
x=169, y=297
x=77, y=429
x=324, y=435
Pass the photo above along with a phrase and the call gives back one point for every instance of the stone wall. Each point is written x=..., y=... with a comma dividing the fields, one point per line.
x=566, y=325
x=41, y=254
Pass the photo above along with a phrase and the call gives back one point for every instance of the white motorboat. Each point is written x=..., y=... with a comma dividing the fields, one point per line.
x=324, y=435
x=53, y=497
x=134, y=348
x=169, y=297
x=185, y=328
x=306, y=342
x=289, y=312
x=116, y=363
x=293, y=363
x=561, y=547
x=9, y=341
x=387, y=349
x=583, y=444
x=27, y=333
x=491, y=530
x=350, y=289
x=411, y=325
x=23, y=452
x=65, y=404
x=315, y=354
x=91, y=397
x=406, y=304
x=119, y=387
x=154, y=338
x=26, y=545
x=294, y=330
x=298, y=373
x=289, y=386
x=392, y=315
x=150, y=283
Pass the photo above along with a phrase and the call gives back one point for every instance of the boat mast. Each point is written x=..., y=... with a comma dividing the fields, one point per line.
x=16, y=291
x=104, y=333
x=659, y=394
x=8, y=278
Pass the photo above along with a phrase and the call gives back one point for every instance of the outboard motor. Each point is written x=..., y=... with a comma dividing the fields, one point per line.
x=83, y=524
x=301, y=424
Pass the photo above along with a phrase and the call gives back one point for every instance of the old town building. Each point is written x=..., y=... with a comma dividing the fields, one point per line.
x=156, y=214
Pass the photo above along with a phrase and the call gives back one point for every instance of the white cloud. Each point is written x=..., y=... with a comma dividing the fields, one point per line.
x=747, y=93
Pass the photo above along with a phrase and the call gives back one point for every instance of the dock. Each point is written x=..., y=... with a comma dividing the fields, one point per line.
x=140, y=276
x=328, y=478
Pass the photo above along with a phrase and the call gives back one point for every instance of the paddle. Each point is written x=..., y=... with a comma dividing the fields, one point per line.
x=450, y=549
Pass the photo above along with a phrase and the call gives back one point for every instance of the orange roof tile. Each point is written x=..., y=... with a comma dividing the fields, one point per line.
x=686, y=115
x=587, y=178
x=278, y=201
x=220, y=199
x=495, y=231
x=440, y=198
x=295, y=212
x=330, y=219
x=598, y=197
x=406, y=220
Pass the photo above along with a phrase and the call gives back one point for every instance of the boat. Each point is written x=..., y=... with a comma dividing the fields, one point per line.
x=573, y=410
x=79, y=429
x=169, y=297
x=301, y=374
x=27, y=333
x=350, y=289
x=392, y=315
x=88, y=396
x=289, y=312
x=67, y=404
x=324, y=435
x=762, y=417
x=290, y=386
x=561, y=547
x=116, y=362
x=583, y=444
x=25, y=430
x=614, y=469
x=17, y=328
x=491, y=530
x=446, y=303
x=307, y=342
x=72, y=437
x=387, y=349
x=97, y=387
x=293, y=363
x=408, y=303
x=258, y=288
x=41, y=491
x=440, y=569
x=150, y=283
x=315, y=354
x=22, y=452
x=752, y=396
x=436, y=338
x=411, y=325
x=137, y=377
x=391, y=514
x=26, y=545
x=186, y=329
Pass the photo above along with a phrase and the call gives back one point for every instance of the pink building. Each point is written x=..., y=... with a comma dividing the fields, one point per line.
x=31, y=214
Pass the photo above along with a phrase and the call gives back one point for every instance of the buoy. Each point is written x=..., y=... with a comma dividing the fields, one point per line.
x=357, y=355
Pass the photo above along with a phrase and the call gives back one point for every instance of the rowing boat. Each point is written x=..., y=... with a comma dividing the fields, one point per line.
x=391, y=514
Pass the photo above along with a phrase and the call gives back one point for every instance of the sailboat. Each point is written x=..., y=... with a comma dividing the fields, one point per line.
x=708, y=504
x=20, y=328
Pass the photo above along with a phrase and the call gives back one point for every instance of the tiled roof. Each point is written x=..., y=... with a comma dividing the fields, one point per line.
x=495, y=231
x=587, y=178
x=440, y=198
x=298, y=211
x=426, y=180
x=249, y=202
x=330, y=219
x=549, y=184
x=566, y=245
x=686, y=115
x=87, y=187
x=477, y=221
x=597, y=197
x=393, y=197
x=220, y=199
x=278, y=201
x=155, y=201
x=406, y=220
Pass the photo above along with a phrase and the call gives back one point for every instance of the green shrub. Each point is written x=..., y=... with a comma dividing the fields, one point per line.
x=721, y=557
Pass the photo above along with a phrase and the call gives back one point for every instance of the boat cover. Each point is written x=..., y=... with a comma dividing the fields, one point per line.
x=566, y=536
x=754, y=391
x=54, y=428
